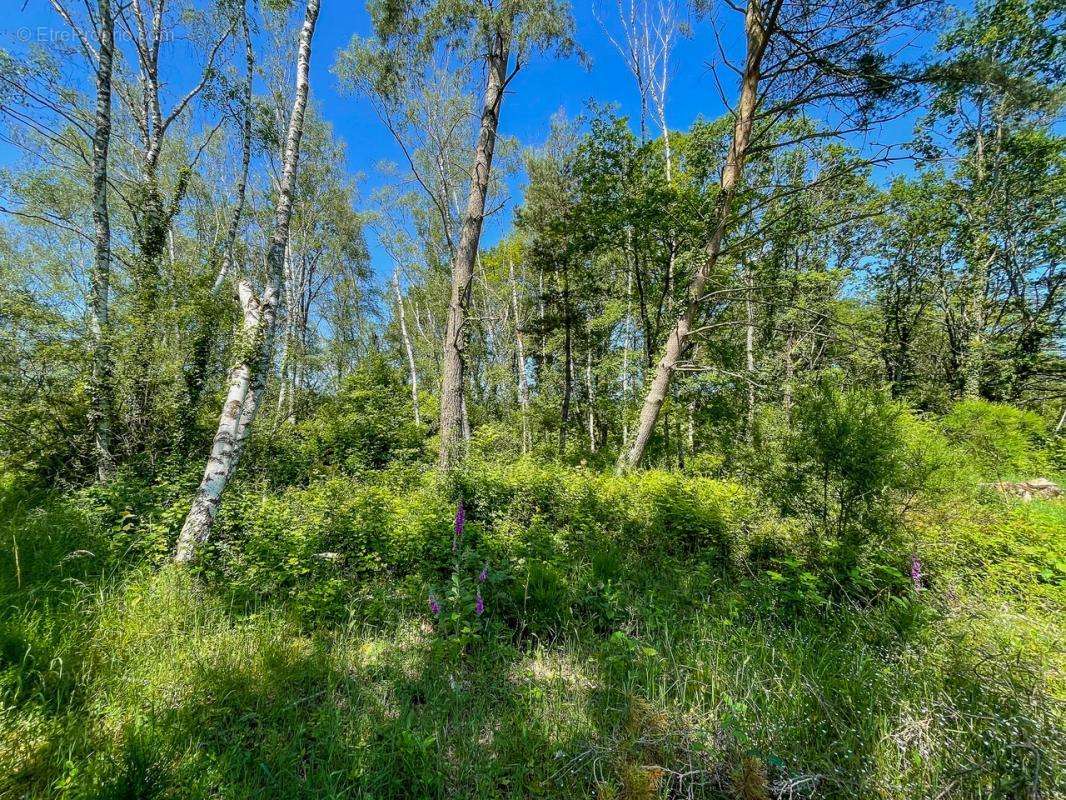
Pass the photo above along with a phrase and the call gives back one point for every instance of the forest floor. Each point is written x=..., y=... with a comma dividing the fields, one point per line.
x=644, y=677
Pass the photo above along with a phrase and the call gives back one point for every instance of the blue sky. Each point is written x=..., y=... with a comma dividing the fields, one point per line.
x=543, y=87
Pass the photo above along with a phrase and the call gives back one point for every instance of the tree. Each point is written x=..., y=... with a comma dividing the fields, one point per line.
x=247, y=380
x=997, y=85
x=798, y=54
x=914, y=250
x=499, y=31
x=41, y=94
x=153, y=212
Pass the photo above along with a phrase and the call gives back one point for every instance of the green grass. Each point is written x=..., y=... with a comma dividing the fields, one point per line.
x=120, y=679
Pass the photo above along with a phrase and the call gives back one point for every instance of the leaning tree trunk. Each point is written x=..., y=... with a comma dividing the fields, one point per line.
x=408, y=346
x=731, y=174
x=206, y=332
x=102, y=392
x=452, y=384
x=248, y=377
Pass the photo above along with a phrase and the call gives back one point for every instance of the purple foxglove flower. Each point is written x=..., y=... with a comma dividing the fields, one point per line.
x=479, y=605
x=460, y=521
x=483, y=575
x=916, y=573
x=434, y=606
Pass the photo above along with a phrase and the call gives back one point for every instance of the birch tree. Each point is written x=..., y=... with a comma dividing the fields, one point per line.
x=153, y=209
x=102, y=390
x=49, y=112
x=247, y=379
x=408, y=346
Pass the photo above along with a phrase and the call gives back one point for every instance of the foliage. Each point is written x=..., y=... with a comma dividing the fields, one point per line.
x=1002, y=441
x=365, y=425
x=158, y=683
x=812, y=589
x=857, y=463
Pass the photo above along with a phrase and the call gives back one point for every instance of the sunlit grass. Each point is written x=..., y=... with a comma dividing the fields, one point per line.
x=153, y=683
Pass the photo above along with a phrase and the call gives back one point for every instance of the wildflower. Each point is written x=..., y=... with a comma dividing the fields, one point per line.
x=916, y=573
x=479, y=605
x=460, y=520
x=483, y=574
x=434, y=606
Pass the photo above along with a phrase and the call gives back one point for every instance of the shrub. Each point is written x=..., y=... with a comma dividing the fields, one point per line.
x=553, y=507
x=309, y=545
x=365, y=426
x=1000, y=440
x=857, y=462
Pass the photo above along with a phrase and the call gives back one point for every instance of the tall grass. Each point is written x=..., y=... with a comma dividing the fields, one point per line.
x=651, y=673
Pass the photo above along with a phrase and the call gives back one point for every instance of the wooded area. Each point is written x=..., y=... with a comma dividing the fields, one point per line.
x=626, y=461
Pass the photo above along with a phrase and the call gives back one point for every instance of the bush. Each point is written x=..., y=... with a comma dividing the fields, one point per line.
x=1000, y=440
x=365, y=426
x=857, y=462
x=320, y=545
x=555, y=507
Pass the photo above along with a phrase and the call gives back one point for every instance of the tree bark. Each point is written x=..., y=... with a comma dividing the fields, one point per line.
x=102, y=392
x=749, y=354
x=731, y=174
x=248, y=377
x=568, y=367
x=407, y=345
x=590, y=389
x=520, y=362
x=453, y=379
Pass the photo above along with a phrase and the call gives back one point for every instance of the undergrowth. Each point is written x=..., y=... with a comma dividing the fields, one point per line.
x=642, y=636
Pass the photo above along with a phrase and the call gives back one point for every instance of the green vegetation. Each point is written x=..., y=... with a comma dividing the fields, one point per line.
x=643, y=636
x=708, y=450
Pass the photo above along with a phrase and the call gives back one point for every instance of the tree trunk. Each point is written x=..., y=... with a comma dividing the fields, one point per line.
x=984, y=257
x=749, y=354
x=627, y=336
x=590, y=389
x=286, y=372
x=102, y=392
x=248, y=377
x=568, y=367
x=974, y=355
x=453, y=379
x=520, y=362
x=790, y=368
x=731, y=173
x=407, y=345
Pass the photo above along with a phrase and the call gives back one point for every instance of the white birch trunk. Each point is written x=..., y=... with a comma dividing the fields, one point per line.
x=749, y=354
x=408, y=346
x=520, y=360
x=248, y=376
x=100, y=324
x=590, y=388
